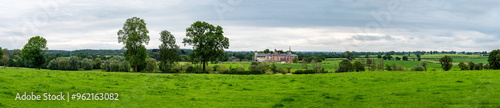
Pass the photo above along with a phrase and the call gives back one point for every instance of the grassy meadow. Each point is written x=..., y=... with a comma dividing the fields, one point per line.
x=355, y=89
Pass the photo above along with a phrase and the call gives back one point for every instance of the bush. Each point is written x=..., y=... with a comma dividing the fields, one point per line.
x=345, y=66
x=418, y=68
x=479, y=66
x=240, y=68
x=190, y=69
x=304, y=72
x=124, y=66
x=87, y=64
x=388, y=67
x=282, y=70
x=209, y=69
x=471, y=65
x=150, y=65
x=115, y=65
x=358, y=66
x=398, y=58
x=463, y=66
x=222, y=68
x=97, y=63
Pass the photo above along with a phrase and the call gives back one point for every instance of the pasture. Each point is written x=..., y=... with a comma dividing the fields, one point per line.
x=353, y=89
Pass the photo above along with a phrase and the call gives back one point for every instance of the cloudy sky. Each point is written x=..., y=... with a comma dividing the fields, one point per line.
x=305, y=25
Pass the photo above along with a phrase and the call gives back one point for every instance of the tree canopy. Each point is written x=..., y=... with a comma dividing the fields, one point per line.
x=446, y=62
x=207, y=40
x=133, y=34
x=34, y=51
x=168, y=50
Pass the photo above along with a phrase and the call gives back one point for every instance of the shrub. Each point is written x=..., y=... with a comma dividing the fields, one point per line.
x=345, y=66
x=274, y=68
x=399, y=68
x=487, y=66
x=124, y=66
x=222, y=68
x=358, y=66
x=398, y=58
x=304, y=71
x=190, y=69
x=209, y=69
x=418, y=68
x=240, y=68
x=463, y=66
x=282, y=70
x=87, y=64
x=388, y=67
x=479, y=66
x=471, y=65
x=150, y=65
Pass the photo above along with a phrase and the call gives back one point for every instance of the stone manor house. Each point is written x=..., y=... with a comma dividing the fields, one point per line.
x=277, y=57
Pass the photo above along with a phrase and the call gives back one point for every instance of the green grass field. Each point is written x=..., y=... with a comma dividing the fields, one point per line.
x=355, y=89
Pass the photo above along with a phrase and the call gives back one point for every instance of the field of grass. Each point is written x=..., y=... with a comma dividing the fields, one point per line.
x=355, y=89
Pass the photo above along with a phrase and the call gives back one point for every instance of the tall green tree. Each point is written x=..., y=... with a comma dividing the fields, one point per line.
x=446, y=62
x=494, y=59
x=133, y=34
x=349, y=55
x=34, y=50
x=168, y=50
x=207, y=40
x=5, y=57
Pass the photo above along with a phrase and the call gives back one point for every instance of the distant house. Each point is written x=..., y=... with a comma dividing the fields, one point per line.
x=277, y=56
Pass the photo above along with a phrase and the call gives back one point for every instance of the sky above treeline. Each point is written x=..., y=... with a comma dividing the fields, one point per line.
x=250, y=25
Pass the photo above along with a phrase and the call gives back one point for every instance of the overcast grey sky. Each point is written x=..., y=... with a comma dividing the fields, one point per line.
x=305, y=25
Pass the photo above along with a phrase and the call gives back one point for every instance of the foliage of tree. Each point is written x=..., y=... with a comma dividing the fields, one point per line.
x=463, y=66
x=207, y=40
x=150, y=65
x=74, y=63
x=388, y=67
x=424, y=64
x=446, y=62
x=349, y=55
x=34, y=50
x=494, y=59
x=398, y=58
x=5, y=57
x=133, y=34
x=479, y=66
x=97, y=63
x=418, y=57
x=405, y=58
x=168, y=51
x=471, y=65
x=387, y=56
x=87, y=64
x=295, y=60
x=358, y=66
x=345, y=66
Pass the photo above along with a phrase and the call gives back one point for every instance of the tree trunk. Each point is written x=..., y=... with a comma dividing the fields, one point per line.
x=203, y=67
x=135, y=68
